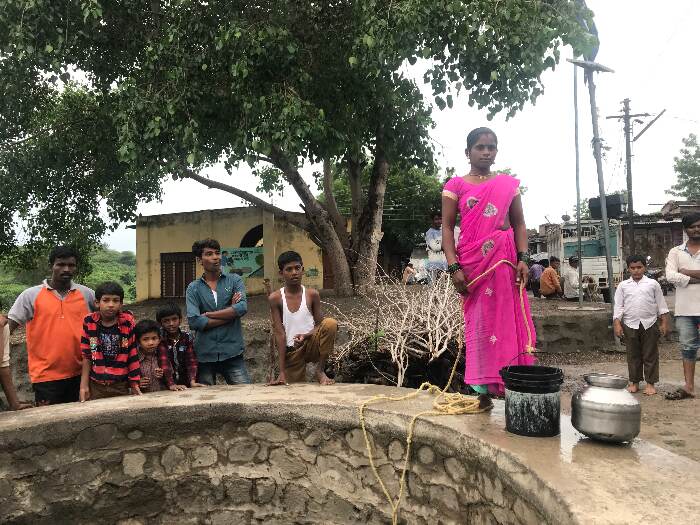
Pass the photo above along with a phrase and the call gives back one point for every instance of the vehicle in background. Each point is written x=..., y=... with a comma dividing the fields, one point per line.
x=562, y=242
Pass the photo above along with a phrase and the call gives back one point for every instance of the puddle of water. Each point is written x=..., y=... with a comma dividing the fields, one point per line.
x=574, y=447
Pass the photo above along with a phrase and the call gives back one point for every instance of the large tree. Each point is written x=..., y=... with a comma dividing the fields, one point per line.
x=105, y=99
x=687, y=168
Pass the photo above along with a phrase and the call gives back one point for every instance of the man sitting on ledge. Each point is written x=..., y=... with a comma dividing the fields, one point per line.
x=302, y=334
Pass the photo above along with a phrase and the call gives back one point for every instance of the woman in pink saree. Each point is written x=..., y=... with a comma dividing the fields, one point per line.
x=492, y=229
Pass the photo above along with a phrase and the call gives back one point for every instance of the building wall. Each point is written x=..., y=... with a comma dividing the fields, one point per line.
x=654, y=239
x=290, y=237
x=176, y=232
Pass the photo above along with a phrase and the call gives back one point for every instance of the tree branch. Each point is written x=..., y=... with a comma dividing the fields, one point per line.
x=355, y=181
x=290, y=217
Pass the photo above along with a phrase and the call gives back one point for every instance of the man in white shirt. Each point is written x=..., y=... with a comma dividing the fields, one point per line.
x=437, y=262
x=683, y=270
x=639, y=302
x=570, y=278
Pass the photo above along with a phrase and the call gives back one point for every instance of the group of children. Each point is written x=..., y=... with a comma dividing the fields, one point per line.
x=121, y=356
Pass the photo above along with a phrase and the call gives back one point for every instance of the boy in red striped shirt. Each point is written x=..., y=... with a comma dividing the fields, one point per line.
x=110, y=358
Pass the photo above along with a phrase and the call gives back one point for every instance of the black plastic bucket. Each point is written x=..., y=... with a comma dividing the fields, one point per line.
x=532, y=399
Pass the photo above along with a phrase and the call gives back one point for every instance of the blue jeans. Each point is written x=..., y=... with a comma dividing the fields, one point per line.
x=688, y=335
x=233, y=370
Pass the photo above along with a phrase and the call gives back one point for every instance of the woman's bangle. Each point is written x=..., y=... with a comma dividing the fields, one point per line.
x=453, y=268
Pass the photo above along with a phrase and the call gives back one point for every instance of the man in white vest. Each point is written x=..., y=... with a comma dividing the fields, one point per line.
x=302, y=334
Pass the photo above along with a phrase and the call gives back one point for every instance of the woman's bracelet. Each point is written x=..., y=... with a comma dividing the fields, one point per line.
x=453, y=268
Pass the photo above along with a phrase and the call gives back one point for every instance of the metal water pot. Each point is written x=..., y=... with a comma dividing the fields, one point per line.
x=605, y=410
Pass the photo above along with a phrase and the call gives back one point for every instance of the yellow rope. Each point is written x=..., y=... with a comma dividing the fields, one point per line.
x=443, y=405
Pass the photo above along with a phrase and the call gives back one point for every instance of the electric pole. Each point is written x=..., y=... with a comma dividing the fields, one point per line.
x=627, y=120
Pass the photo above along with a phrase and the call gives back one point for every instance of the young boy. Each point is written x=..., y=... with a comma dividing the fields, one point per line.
x=639, y=302
x=147, y=333
x=176, y=351
x=110, y=359
x=215, y=304
x=302, y=334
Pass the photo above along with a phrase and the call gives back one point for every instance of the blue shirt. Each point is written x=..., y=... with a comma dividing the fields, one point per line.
x=222, y=342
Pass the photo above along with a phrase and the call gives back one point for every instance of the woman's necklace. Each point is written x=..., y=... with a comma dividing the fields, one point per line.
x=480, y=177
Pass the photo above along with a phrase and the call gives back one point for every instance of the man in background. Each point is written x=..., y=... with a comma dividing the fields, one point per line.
x=53, y=314
x=570, y=279
x=437, y=262
x=550, y=287
x=534, y=280
x=683, y=271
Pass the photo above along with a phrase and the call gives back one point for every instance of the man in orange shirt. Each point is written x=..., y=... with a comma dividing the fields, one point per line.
x=550, y=286
x=53, y=313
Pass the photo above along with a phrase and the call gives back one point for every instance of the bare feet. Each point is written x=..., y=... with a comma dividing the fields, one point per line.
x=650, y=390
x=633, y=388
x=323, y=379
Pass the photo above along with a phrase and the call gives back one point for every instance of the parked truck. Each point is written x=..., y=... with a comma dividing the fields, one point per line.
x=562, y=242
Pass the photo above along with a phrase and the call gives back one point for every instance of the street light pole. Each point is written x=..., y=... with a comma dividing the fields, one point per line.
x=578, y=192
x=589, y=69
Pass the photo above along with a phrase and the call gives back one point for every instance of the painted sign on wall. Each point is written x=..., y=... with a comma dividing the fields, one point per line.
x=246, y=262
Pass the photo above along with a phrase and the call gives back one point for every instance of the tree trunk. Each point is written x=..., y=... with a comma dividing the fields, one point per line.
x=322, y=225
x=340, y=224
x=369, y=226
x=355, y=182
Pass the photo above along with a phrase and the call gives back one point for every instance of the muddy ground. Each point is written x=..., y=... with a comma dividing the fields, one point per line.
x=673, y=425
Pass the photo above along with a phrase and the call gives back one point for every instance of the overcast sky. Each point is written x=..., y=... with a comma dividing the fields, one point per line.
x=652, y=47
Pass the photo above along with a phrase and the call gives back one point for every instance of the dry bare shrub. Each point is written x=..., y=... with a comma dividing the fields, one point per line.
x=405, y=323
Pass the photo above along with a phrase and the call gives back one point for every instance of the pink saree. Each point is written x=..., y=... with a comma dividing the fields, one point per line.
x=495, y=327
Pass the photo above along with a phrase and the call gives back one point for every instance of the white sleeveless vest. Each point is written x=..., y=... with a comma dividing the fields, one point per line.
x=299, y=322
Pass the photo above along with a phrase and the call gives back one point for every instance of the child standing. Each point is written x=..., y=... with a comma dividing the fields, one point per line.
x=147, y=333
x=639, y=303
x=302, y=334
x=176, y=351
x=110, y=359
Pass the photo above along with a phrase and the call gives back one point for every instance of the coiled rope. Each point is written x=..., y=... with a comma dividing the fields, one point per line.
x=444, y=404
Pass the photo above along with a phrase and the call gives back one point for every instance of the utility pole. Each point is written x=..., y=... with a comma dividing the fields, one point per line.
x=578, y=193
x=627, y=120
x=589, y=69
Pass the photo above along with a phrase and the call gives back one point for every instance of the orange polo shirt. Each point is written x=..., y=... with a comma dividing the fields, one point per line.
x=54, y=325
x=549, y=281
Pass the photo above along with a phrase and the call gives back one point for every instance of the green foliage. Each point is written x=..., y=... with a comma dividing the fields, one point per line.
x=687, y=168
x=105, y=264
x=584, y=210
x=106, y=99
x=111, y=265
x=412, y=195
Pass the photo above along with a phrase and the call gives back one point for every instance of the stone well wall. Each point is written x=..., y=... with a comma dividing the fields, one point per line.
x=146, y=460
x=251, y=454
